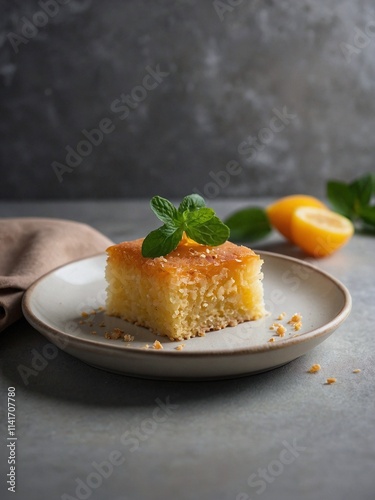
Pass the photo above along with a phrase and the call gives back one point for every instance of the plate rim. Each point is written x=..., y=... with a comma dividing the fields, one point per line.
x=325, y=329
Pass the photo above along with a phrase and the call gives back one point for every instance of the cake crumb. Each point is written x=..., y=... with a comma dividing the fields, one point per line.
x=84, y=314
x=157, y=345
x=146, y=346
x=180, y=347
x=356, y=370
x=272, y=339
x=115, y=334
x=297, y=326
x=275, y=326
x=93, y=332
x=331, y=380
x=100, y=309
x=296, y=318
x=281, y=316
x=281, y=330
x=314, y=368
x=128, y=338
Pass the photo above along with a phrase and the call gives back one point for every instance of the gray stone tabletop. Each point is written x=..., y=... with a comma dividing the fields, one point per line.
x=85, y=433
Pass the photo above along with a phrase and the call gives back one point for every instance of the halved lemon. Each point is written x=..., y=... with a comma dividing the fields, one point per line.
x=281, y=211
x=319, y=231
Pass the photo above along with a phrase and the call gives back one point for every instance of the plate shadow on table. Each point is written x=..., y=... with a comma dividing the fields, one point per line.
x=71, y=380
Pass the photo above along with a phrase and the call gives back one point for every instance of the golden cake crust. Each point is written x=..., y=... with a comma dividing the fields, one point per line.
x=188, y=256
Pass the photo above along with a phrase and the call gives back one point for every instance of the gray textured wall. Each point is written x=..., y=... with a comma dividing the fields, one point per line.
x=227, y=70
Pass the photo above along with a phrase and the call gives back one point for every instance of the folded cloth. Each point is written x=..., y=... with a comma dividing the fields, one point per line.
x=30, y=247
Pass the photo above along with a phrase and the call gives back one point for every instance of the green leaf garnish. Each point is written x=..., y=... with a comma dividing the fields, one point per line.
x=163, y=209
x=353, y=199
x=212, y=232
x=341, y=197
x=191, y=202
x=249, y=224
x=192, y=217
x=161, y=241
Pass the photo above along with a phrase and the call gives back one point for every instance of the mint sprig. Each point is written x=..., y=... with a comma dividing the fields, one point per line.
x=249, y=224
x=353, y=199
x=192, y=217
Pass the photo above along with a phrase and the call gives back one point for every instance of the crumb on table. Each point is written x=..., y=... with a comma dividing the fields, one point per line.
x=314, y=368
x=331, y=380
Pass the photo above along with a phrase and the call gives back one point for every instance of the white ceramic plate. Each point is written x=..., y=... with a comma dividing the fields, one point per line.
x=53, y=305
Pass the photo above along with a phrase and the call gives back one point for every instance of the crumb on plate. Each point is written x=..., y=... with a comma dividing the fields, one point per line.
x=114, y=334
x=356, y=370
x=281, y=330
x=180, y=347
x=296, y=318
x=157, y=345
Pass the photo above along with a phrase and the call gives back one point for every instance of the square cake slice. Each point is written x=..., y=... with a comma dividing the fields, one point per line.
x=194, y=289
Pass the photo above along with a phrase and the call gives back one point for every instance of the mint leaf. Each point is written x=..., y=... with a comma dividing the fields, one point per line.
x=362, y=191
x=164, y=210
x=341, y=197
x=161, y=241
x=249, y=224
x=193, y=217
x=367, y=214
x=197, y=217
x=191, y=202
x=212, y=232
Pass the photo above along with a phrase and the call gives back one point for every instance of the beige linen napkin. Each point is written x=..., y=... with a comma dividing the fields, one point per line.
x=30, y=247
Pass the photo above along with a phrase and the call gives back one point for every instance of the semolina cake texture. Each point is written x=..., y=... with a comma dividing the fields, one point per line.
x=194, y=289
